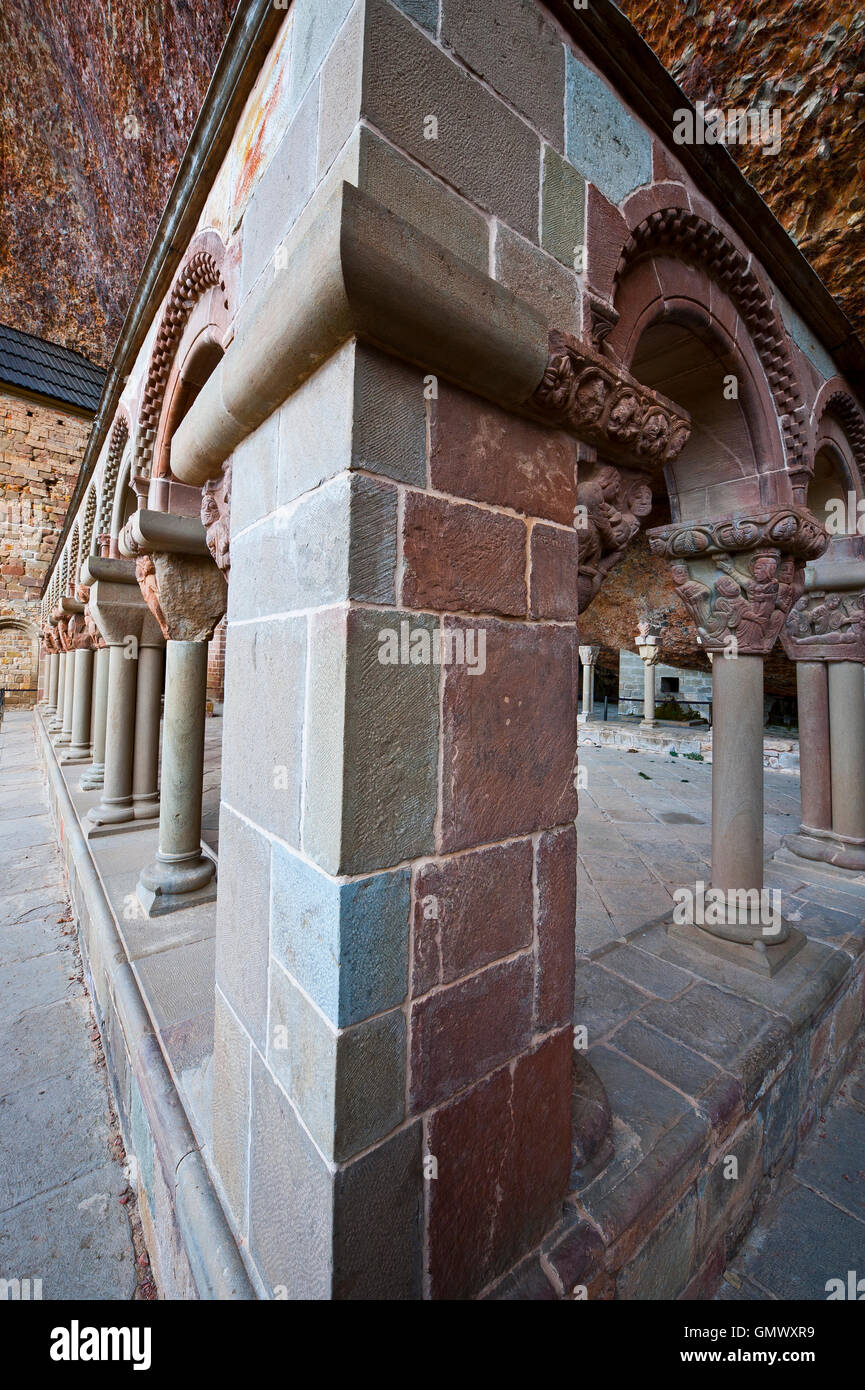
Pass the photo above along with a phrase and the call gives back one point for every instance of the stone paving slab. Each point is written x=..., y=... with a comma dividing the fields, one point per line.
x=61, y=1219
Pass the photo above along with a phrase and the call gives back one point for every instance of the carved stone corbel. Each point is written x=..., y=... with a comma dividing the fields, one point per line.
x=611, y=506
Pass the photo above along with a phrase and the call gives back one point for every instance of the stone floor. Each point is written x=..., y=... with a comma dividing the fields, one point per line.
x=61, y=1215
x=813, y=1230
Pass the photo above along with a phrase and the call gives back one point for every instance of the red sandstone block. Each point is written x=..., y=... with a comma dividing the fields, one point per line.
x=461, y=1032
x=503, y=1153
x=557, y=908
x=509, y=736
x=470, y=911
x=482, y=452
x=606, y=234
x=463, y=558
x=554, y=574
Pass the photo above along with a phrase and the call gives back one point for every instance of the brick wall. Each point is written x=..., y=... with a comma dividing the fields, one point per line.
x=216, y=665
x=40, y=452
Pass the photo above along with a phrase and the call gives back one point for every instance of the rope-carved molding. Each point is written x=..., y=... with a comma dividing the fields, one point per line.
x=604, y=405
x=200, y=274
x=116, y=445
x=89, y=518
x=692, y=239
x=72, y=573
x=849, y=416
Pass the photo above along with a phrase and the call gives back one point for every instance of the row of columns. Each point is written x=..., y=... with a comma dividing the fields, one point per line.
x=103, y=705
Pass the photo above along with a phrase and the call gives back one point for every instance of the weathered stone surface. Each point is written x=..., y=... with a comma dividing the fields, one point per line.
x=463, y=1031
x=243, y=921
x=563, y=210
x=576, y=1256
x=389, y=425
x=510, y=737
x=482, y=906
x=480, y=451
x=665, y=1264
x=557, y=907
x=231, y=1113
x=462, y=558
x=316, y=24
x=186, y=594
x=503, y=1153
x=407, y=78
x=282, y=191
x=345, y=944
x=554, y=575
x=602, y=1000
x=725, y=1190
x=515, y=41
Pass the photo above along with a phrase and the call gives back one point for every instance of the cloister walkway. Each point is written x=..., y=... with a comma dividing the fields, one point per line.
x=64, y=1202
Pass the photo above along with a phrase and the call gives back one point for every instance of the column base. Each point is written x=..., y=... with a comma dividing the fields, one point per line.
x=77, y=755
x=97, y=830
x=826, y=848
x=169, y=885
x=93, y=779
x=757, y=955
x=145, y=807
x=648, y=723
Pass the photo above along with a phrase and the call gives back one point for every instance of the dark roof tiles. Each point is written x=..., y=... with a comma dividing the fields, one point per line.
x=49, y=369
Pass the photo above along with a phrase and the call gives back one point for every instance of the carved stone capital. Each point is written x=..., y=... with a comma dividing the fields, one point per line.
x=187, y=594
x=611, y=506
x=595, y=399
x=589, y=655
x=740, y=576
x=826, y=627
x=216, y=517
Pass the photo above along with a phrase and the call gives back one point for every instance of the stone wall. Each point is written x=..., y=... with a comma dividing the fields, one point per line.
x=41, y=447
x=694, y=687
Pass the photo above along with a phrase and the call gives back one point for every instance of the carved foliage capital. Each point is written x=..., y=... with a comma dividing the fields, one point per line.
x=186, y=594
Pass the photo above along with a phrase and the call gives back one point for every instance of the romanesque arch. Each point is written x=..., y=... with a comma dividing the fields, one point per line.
x=201, y=274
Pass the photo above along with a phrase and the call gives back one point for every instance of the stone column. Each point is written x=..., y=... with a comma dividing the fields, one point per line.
x=187, y=594
x=648, y=645
x=825, y=636
x=93, y=776
x=56, y=725
x=80, y=747
x=847, y=759
x=588, y=657
x=121, y=616
x=148, y=712
x=53, y=673
x=65, y=735
x=738, y=578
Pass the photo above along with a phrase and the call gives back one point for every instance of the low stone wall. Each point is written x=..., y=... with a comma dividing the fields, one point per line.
x=781, y=754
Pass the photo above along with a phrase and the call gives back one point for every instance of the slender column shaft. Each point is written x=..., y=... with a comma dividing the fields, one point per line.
x=737, y=779
x=53, y=672
x=82, y=668
x=148, y=708
x=812, y=692
x=847, y=740
x=648, y=692
x=180, y=867
x=588, y=690
x=116, y=802
x=57, y=721
x=68, y=697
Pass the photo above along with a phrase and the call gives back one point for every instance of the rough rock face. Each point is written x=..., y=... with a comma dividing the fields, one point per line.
x=805, y=58
x=97, y=103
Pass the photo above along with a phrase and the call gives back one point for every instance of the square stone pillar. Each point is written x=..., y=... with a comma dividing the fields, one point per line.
x=397, y=870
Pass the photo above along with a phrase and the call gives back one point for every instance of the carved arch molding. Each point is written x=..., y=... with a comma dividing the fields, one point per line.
x=116, y=445
x=692, y=239
x=845, y=410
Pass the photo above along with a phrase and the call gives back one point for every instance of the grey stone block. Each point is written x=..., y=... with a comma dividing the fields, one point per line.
x=349, y=1087
x=807, y=1242
x=782, y=1108
x=316, y=25
x=563, y=210
x=261, y=777
x=254, y=475
x=285, y=186
x=346, y=944
x=389, y=434
x=377, y=1226
x=539, y=279
x=411, y=193
x=372, y=746
x=408, y=79
x=232, y=1059
x=517, y=51
x=315, y=427
x=425, y=12
x=341, y=79
x=290, y=1197
x=243, y=921
x=602, y=139
x=722, y=1197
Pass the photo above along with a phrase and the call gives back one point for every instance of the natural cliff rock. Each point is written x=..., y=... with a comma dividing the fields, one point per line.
x=97, y=103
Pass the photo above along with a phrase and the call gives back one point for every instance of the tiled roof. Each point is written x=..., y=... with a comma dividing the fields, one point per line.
x=48, y=369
